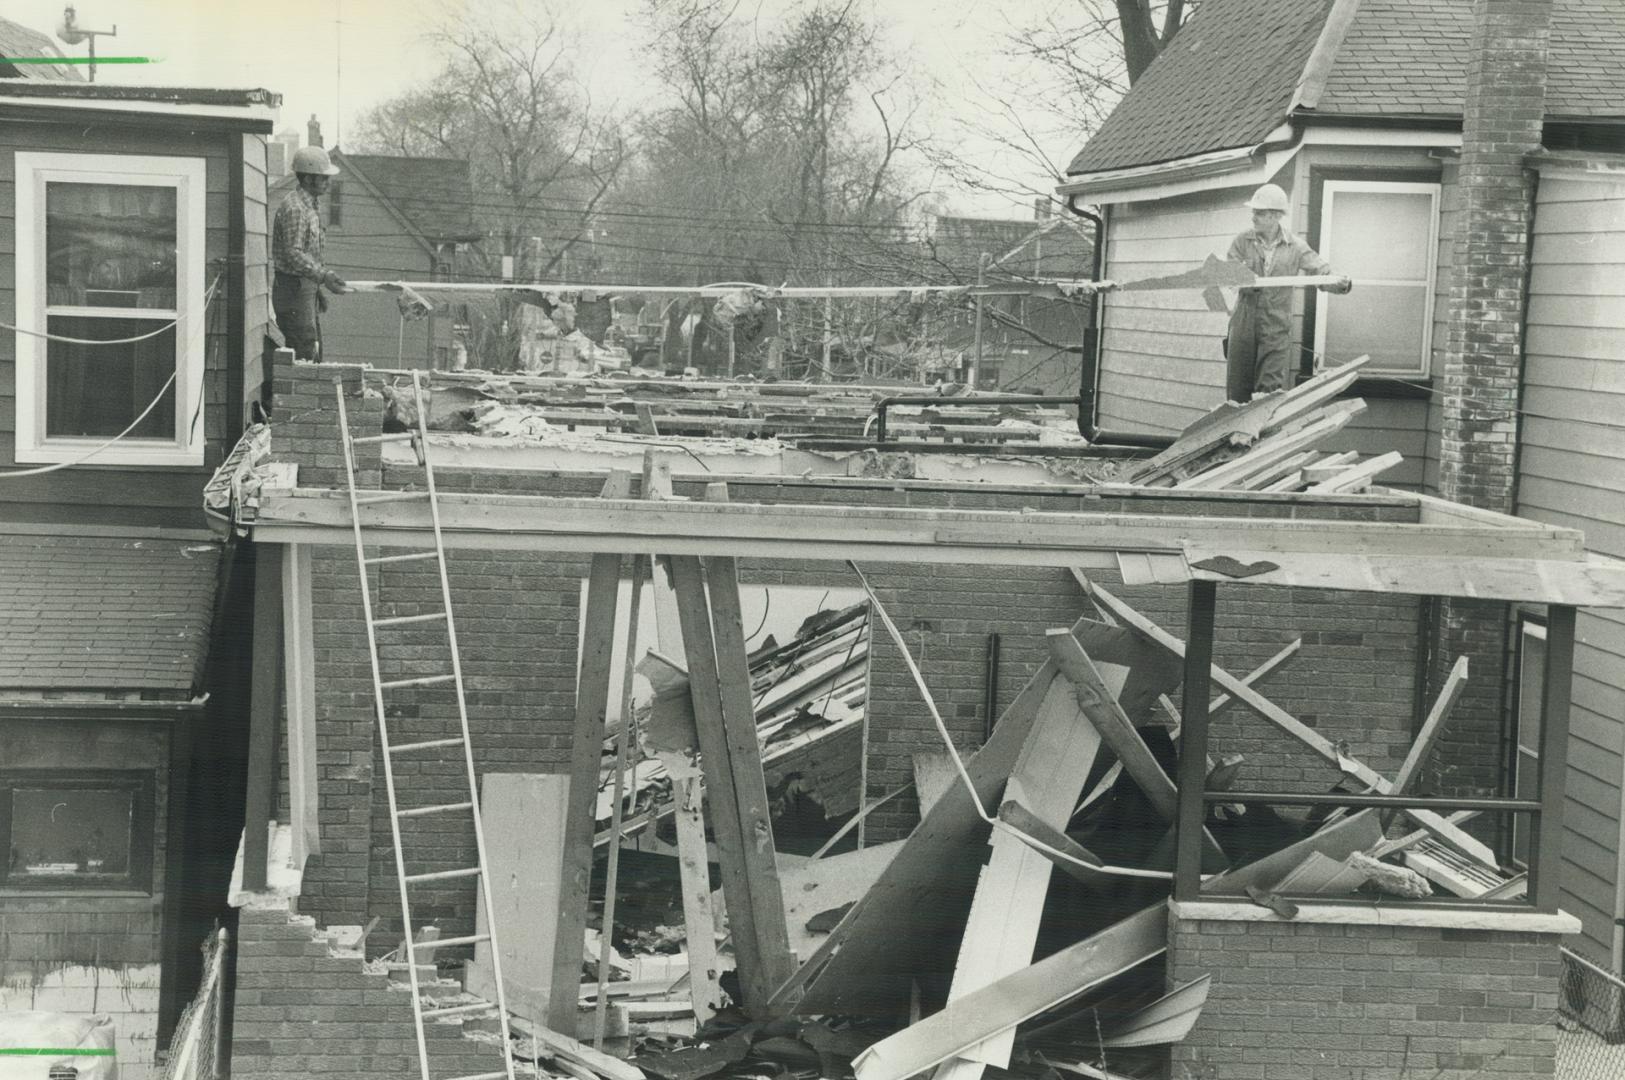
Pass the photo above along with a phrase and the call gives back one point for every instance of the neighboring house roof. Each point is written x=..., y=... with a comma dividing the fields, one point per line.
x=18, y=41
x=1225, y=80
x=435, y=194
x=1240, y=68
x=105, y=613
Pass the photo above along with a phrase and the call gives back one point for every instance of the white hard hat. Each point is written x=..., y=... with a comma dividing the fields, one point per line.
x=313, y=159
x=1269, y=197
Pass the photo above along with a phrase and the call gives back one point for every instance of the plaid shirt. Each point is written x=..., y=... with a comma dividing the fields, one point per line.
x=297, y=236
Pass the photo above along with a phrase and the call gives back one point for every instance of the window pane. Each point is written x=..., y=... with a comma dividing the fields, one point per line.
x=1381, y=234
x=110, y=245
x=1386, y=321
x=100, y=389
x=80, y=833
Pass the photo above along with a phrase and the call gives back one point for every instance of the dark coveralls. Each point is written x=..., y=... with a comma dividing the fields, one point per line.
x=1259, y=349
x=297, y=236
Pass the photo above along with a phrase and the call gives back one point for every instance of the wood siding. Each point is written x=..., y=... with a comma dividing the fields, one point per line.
x=371, y=243
x=1572, y=473
x=257, y=260
x=96, y=494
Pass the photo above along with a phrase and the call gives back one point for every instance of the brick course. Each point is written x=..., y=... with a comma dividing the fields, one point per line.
x=1291, y=1000
x=517, y=615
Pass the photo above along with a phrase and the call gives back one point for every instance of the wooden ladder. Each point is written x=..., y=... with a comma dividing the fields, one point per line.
x=422, y=1009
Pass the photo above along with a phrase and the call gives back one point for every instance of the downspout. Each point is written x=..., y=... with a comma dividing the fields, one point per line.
x=1089, y=381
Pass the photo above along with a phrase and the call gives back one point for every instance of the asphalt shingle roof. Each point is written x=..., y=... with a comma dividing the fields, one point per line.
x=1228, y=77
x=1224, y=81
x=105, y=613
x=18, y=40
x=435, y=194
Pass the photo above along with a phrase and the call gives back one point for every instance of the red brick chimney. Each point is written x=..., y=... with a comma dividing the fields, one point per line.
x=313, y=131
x=1483, y=362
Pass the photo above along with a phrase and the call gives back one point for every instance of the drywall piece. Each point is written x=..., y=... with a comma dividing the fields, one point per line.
x=819, y=885
x=568, y=1050
x=1000, y=1006
x=523, y=814
x=1320, y=875
x=1357, y=832
x=909, y=922
x=934, y=772
x=1166, y=1020
x=1002, y=927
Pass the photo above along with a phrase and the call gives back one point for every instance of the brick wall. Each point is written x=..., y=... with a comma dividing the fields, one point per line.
x=517, y=615
x=304, y=1008
x=1483, y=358
x=1291, y=1000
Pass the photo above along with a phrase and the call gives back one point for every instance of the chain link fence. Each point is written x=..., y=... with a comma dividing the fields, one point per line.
x=1591, y=1008
x=195, y=1052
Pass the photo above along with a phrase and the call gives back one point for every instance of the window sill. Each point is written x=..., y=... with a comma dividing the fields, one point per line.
x=114, y=456
x=1454, y=917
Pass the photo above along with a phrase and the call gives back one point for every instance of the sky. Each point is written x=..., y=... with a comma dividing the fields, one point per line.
x=337, y=58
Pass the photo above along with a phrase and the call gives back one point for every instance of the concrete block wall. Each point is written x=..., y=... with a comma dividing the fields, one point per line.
x=306, y=1009
x=517, y=616
x=1291, y=1000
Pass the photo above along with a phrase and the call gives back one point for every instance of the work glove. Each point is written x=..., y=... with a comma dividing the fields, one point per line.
x=1343, y=285
x=321, y=302
x=336, y=283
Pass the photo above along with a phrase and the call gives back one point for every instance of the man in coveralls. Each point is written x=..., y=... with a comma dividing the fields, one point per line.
x=297, y=236
x=1259, y=346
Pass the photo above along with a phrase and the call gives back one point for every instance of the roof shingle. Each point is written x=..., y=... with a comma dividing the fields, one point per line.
x=1224, y=81
x=105, y=613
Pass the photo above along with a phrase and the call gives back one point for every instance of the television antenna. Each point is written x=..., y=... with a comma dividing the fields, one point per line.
x=71, y=32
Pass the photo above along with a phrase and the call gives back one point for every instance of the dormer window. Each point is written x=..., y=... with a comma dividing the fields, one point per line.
x=110, y=306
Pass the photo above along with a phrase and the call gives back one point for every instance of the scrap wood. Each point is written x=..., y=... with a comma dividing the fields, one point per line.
x=1232, y=426
x=1359, y=476
x=1277, y=903
x=1002, y=1005
x=1432, y=728
x=819, y=885
x=1001, y=930
x=1166, y=1020
x=1221, y=704
x=1317, y=742
x=1434, y=862
x=1319, y=875
x=564, y=1048
x=1024, y=820
x=1272, y=448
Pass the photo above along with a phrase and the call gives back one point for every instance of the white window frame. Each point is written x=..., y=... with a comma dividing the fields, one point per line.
x=188, y=177
x=1523, y=758
x=1328, y=210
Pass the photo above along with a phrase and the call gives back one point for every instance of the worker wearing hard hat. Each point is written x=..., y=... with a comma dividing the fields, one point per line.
x=296, y=252
x=1259, y=345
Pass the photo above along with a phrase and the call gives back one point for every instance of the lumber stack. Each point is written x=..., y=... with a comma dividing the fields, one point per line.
x=1270, y=444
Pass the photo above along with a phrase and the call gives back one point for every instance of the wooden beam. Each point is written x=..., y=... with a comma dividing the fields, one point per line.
x=586, y=752
x=1019, y=817
x=1546, y=848
x=1290, y=724
x=1267, y=451
x=299, y=681
x=1002, y=927
x=1200, y=604
x=1432, y=728
x=1100, y=707
x=264, y=713
x=1353, y=477
x=527, y=522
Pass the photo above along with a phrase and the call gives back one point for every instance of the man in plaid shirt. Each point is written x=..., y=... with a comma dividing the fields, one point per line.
x=296, y=252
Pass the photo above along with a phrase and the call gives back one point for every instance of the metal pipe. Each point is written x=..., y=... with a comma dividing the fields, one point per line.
x=1089, y=374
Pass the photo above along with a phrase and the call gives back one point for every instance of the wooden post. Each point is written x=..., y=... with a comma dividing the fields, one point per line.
x=299, y=687
x=264, y=713
x=744, y=750
x=1193, y=738
x=1546, y=857
x=586, y=752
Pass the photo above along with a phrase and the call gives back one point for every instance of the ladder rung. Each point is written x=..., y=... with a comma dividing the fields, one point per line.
x=414, y=557
x=427, y=680
x=427, y=744
x=483, y=1076
x=443, y=808
x=394, y=436
x=442, y=875
x=402, y=620
x=448, y=942
x=458, y=1010
x=392, y=496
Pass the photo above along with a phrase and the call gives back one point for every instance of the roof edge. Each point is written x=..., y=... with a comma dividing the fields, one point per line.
x=1317, y=70
x=389, y=204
